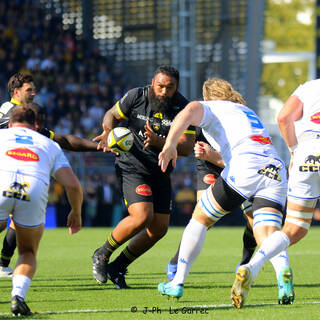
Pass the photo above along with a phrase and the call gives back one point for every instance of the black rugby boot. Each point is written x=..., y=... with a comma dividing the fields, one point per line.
x=99, y=266
x=19, y=307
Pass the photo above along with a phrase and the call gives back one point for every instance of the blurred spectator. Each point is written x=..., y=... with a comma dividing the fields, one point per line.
x=76, y=85
x=91, y=202
x=33, y=62
x=96, y=112
x=185, y=200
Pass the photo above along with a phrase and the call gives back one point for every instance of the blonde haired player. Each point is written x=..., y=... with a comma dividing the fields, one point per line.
x=253, y=170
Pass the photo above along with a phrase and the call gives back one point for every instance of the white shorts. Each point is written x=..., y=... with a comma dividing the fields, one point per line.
x=304, y=175
x=23, y=196
x=257, y=175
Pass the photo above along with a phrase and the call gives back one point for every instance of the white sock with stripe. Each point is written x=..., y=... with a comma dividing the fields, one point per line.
x=271, y=246
x=280, y=261
x=20, y=285
x=192, y=242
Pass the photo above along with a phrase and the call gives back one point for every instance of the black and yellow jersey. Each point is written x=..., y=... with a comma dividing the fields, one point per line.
x=135, y=108
x=5, y=111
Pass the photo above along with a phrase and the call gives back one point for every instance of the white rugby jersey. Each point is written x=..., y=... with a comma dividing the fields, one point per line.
x=28, y=152
x=235, y=128
x=309, y=94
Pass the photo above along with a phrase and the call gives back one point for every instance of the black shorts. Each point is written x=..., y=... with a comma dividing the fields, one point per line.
x=229, y=199
x=138, y=187
x=205, y=178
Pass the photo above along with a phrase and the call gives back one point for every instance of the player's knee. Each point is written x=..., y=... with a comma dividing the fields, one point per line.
x=143, y=218
x=296, y=229
x=264, y=217
x=160, y=231
x=208, y=207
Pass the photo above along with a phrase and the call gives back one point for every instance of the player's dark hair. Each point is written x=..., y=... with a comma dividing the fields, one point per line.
x=37, y=109
x=169, y=71
x=23, y=114
x=17, y=81
x=39, y=112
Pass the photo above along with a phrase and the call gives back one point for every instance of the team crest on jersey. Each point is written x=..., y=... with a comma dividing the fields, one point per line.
x=144, y=190
x=22, y=154
x=155, y=124
x=271, y=171
x=315, y=118
x=311, y=164
x=17, y=190
x=261, y=139
x=156, y=121
x=209, y=178
x=158, y=115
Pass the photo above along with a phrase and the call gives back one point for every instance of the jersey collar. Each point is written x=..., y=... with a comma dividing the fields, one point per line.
x=15, y=101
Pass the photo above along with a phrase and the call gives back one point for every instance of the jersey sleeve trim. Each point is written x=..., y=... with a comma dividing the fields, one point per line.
x=51, y=134
x=189, y=132
x=121, y=114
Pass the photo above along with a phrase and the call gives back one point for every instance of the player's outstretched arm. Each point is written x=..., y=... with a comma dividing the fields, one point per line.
x=74, y=143
x=111, y=120
x=73, y=188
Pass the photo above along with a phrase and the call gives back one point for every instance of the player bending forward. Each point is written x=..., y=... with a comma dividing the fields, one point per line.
x=253, y=170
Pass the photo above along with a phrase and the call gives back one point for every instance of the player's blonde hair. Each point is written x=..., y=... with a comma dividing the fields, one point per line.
x=218, y=89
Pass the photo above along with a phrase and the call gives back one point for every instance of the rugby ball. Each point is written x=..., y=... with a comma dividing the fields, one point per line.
x=120, y=139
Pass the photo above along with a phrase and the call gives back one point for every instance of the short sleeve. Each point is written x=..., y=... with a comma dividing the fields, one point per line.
x=60, y=161
x=206, y=119
x=124, y=105
x=299, y=92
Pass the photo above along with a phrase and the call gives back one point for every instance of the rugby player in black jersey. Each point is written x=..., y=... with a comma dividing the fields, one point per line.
x=22, y=92
x=149, y=112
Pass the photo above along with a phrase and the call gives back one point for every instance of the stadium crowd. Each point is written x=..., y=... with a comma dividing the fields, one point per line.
x=76, y=86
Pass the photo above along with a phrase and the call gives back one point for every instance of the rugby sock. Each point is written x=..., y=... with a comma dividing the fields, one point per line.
x=20, y=285
x=280, y=261
x=249, y=245
x=9, y=245
x=125, y=258
x=174, y=260
x=192, y=242
x=271, y=246
x=110, y=245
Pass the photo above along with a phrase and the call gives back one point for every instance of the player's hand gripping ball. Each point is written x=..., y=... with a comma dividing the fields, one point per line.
x=120, y=139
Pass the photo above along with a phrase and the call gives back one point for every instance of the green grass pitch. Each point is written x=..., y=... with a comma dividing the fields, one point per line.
x=63, y=287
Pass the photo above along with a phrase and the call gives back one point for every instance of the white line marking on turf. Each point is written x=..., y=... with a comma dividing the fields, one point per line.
x=140, y=309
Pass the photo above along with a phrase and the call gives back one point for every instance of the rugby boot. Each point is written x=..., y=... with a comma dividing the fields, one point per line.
x=170, y=291
x=241, y=286
x=285, y=285
x=117, y=276
x=19, y=307
x=171, y=270
x=99, y=267
x=5, y=272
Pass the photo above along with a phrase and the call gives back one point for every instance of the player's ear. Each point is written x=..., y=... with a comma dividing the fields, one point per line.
x=9, y=125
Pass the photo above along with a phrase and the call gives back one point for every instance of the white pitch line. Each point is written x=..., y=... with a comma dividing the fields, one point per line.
x=140, y=309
